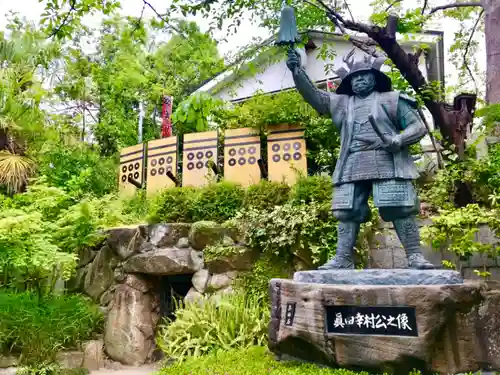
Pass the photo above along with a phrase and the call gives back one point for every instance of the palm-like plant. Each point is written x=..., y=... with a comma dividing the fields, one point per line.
x=21, y=119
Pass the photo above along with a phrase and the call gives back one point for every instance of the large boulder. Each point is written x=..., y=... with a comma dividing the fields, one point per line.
x=85, y=256
x=77, y=281
x=204, y=233
x=93, y=355
x=129, y=331
x=455, y=329
x=167, y=261
x=100, y=275
x=126, y=241
x=167, y=235
x=237, y=258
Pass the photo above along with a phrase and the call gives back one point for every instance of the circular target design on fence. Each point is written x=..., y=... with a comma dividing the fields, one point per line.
x=287, y=157
x=199, y=155
x=190, y=166
x=161, y=171
x=199, y=165
x=232, y=152
x=124, y=169
x=169, y=169
x=232, y=162
x=161, y=161
x=190, y=156
x=124, y=178
x=130, y=167
x=137, y=165
x=170, y=160
x=252, y=150
x=297, y=156
x=276, y=147
x=207, y=164
x=276, y=158
x=242, y=151
x=136, y=175
x=287, y=146
x=153, y=172
x=130, y=175
x=297, y=146
x=242, y=161
x=209, y=154
x=154, y=162
x=252, y=160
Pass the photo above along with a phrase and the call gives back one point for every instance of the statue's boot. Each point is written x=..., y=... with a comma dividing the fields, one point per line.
x=347, y=233
x=409, y=235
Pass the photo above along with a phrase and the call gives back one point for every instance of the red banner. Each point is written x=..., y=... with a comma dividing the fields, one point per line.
x=166, y=116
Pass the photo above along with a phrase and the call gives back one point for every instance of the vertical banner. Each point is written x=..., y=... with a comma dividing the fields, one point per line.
x=166, y=116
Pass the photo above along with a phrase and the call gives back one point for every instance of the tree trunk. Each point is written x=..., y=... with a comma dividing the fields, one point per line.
x=492, y=32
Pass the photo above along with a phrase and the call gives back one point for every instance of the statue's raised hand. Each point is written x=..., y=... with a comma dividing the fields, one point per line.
x=293, y=61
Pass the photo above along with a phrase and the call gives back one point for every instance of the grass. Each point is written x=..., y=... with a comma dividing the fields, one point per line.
x=37, y=330
x=255, y=360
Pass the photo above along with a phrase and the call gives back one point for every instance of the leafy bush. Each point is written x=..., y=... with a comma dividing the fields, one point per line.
x=78, y=168
x=255, y=360
x=217, y=202
x=307, y=232
x=255, y=282
x=455, y=230
x=307, y=189
x=267, y=194
x=80, y=226
x=236, y=321
x=38, y=329
x=28, y=253
x=172, y=205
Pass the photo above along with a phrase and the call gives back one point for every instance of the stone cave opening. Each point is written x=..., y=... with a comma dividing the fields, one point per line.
x=172, y=288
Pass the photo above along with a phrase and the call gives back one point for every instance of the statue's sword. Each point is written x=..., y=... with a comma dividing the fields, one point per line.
x=385, y=140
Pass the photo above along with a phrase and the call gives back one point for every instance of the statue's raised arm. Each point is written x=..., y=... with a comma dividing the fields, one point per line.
x=320, y=100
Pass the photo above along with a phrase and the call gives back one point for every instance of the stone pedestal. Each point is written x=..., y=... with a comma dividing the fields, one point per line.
x=442, y=325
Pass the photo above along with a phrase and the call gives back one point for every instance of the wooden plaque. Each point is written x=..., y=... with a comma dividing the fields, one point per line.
x=241, y=153
x=198, y=149
x=131, y=165
x=162, y=158
x=286, y=153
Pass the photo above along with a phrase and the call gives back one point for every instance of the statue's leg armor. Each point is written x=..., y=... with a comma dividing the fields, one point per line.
x=348, y=227
x=408, y=232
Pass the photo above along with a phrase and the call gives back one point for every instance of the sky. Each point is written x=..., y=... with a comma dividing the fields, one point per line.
x=31, y=9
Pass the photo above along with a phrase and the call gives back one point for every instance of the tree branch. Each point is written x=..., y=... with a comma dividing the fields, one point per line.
x=64, y=21
x=392, y=5
x=161, y=17
x=424, y=7
x=465, y=63
x=455, y=5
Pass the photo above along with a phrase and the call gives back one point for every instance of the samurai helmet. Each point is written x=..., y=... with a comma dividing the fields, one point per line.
x=367, y=64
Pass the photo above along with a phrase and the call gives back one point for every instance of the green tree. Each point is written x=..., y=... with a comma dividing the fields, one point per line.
x=24, y=56
x=129, y=67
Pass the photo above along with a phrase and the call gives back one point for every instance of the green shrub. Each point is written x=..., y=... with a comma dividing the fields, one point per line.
x=307, y=232
x=255, y=282
x=28, y=253
x=217, y=202
x=254, y=360
x=307, y=189
x=267, y=194
x=235, y=321
x=78, y=168
x=173, y=205
x=38, y=329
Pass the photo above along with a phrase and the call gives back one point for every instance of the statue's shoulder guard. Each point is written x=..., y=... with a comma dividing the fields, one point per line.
x=408, y=99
